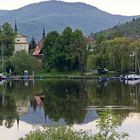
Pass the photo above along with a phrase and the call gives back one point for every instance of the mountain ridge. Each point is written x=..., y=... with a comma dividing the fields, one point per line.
x=56, y=15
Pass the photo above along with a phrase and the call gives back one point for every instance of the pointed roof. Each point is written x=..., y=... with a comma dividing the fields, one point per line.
x=43, y=33
x=39, y=47
x=16, y=26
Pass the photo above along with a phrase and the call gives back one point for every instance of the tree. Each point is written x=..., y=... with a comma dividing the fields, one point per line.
x=80, y=49
x=7, y=38
x=32, y=45
x=23, y=61
x=50, y=41
x=66, y=51
x=108, y=123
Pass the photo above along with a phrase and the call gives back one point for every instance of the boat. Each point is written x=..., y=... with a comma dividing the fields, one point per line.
x=133, y=75
x=2, y=76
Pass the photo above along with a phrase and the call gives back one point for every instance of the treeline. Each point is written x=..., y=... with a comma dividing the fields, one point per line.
x=61, y=52
x=117, y=48
x=67, y=51
x=128, y=29
x=118, y=54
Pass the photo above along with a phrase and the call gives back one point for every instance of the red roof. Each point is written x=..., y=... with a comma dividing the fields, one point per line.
x=90, y=40
x=39, y=47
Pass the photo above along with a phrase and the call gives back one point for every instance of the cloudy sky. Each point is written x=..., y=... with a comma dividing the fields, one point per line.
x=123, y=7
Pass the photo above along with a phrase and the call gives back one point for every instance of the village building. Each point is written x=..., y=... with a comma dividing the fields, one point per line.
x=38, y=49
x=21, y=42
x=90, y=43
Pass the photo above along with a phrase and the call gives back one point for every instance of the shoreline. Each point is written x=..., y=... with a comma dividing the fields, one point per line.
x=88, y=77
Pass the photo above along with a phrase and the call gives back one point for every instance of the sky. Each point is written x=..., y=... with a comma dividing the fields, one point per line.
x=121, y=7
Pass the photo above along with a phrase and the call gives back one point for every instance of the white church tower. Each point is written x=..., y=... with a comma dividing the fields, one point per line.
x=21, y=42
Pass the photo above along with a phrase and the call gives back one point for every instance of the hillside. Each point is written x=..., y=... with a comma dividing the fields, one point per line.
x=56, y=15
x=128, y=29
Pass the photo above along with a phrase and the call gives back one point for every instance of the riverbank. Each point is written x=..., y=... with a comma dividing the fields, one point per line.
x=73, y=75
x=65, y=75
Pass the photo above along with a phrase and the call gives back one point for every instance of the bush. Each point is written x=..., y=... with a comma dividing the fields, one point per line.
x=57, y=133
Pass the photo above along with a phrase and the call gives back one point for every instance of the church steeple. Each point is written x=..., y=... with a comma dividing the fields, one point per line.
x=16, y=26
x=43, y=34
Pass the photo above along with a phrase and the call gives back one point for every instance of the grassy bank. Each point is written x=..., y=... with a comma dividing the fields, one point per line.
x=71, y=75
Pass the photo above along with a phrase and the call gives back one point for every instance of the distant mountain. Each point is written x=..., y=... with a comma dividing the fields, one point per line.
x=56, y=15
x=128, y=29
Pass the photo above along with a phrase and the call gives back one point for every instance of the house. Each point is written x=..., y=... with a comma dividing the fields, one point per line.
x=38, y=49
x=90, y=43
x=21, y=42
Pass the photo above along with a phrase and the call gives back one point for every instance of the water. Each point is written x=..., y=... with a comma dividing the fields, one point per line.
x=25, y=105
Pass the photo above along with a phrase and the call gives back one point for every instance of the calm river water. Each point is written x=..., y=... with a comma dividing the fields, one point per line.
x=27, y=104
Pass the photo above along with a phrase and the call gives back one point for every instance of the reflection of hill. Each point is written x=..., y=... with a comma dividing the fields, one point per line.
x=38, y=117
x=90, y=116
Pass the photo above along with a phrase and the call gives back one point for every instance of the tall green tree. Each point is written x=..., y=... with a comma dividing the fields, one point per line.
x=7, y=38
x=66, y=51
x=50, y=41
x=80, y=47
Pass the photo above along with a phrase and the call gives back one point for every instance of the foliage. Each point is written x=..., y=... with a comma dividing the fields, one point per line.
x=55, y=133
x=65, y=51
x=130, y=29
x=107, y=123
x=32, y=45
x=115, y=54
x=22, y=61
x=7, y=38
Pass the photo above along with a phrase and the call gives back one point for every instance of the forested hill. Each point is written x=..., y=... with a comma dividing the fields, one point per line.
x=128, y=29
x=56, y=15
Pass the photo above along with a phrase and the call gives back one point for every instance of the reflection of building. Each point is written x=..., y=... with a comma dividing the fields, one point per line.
x=22, y=107
x=39, y=99
x=20, y=42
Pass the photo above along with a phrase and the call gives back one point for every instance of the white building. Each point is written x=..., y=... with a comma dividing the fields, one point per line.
x=21, y=43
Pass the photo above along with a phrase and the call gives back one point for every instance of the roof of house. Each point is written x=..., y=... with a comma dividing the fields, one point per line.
x=39, y=47
x=90, y=40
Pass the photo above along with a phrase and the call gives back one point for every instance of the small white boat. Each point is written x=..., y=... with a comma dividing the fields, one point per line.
x=132, y=77
x=2, y=76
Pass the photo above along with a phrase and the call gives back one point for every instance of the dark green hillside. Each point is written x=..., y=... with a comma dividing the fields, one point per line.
x=128, y=29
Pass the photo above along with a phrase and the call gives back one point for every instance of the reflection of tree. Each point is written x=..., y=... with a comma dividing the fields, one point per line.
x=66, y=99
x=8, y=113
x=135, y=95
x=110, y=93
x=108, y=122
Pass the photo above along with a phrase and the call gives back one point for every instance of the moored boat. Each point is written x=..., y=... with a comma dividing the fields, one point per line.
x=2, y=76
x=132, y=77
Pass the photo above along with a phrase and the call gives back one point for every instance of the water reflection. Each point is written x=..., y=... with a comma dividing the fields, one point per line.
x=65, y=101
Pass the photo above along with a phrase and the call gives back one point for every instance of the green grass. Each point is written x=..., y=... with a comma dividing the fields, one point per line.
x=54, y=73
x=70, y=75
